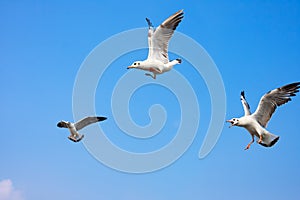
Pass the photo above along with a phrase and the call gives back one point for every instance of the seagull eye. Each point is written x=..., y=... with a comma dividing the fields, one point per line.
x=138, y=63
x=134, y=63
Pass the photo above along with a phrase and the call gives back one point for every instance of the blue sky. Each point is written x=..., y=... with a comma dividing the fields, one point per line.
x=255, y=46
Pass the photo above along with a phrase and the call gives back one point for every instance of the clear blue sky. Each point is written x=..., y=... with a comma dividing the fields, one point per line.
x=255, y=46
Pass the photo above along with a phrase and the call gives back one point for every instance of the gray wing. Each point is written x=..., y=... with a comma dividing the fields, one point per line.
x=87, y=121
x=245, y=104
x=270, y=101
x=158, y=39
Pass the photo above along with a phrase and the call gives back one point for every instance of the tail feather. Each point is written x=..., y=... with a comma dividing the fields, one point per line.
x=269, y=140
x=76, y=138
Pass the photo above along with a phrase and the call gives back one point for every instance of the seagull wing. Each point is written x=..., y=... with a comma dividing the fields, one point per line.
x=245, y=104
x=150, y=33
x=274, y=98
x=87, y=121
x=158, y=39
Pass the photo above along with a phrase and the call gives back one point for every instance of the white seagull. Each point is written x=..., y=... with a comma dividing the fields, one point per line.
x=74, y=127
x=256, y=123
x=158, y=41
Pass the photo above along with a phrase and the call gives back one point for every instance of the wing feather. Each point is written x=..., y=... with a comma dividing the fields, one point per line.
x=87, y=121
x=245, y=104
x=274, y=98
x=158, y=39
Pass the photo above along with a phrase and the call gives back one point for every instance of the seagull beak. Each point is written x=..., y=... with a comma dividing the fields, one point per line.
x=230, y=121
x=129, y=67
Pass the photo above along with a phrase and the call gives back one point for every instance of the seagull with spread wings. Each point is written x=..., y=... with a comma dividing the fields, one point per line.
x=256, y=123
x=158, y=41
x=74, y=127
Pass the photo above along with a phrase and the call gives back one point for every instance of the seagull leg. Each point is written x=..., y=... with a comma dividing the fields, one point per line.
x=147, y=74
x=154, y=70
x=153, y=76
x=260, y=139
x=248, y=146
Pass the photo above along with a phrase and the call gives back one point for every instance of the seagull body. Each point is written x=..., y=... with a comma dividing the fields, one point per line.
x=256, y=123
x=74, y=127
x=158, y=41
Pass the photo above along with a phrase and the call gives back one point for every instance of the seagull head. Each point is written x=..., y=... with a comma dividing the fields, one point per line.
x=136, y=64
x=234, y=122
x=60, y=124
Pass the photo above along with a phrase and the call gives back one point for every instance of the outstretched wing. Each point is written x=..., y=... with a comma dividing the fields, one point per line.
x=158, y=39
x=87, y=121
x=270, y=101
x=245, y=104
x=150, y=33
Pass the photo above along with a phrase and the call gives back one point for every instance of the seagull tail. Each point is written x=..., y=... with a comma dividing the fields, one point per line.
x=269, y=139
x=76, y=138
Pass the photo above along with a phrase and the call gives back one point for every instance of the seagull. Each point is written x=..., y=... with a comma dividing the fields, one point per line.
x=74, y=127
x=158, y=41
x=256, y=123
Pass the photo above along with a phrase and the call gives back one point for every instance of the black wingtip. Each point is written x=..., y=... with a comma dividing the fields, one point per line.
x=101, y=118
x=243, y=94
x=180, y=12
x=149, y=22
x=179, y=60
x=291, y=88
x=295, y=86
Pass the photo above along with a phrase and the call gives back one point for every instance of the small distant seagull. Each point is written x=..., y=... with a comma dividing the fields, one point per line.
x=256, y=123
x=74, y=127
x=158, y=41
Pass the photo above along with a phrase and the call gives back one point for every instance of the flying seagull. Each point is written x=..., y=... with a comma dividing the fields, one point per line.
x=158, y=41
x=256, y=123
x=74, y=127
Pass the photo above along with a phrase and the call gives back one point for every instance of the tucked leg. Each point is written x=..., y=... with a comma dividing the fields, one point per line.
x=248, y=146
x=153, y=76
x=154, y=70
x=260, y=139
